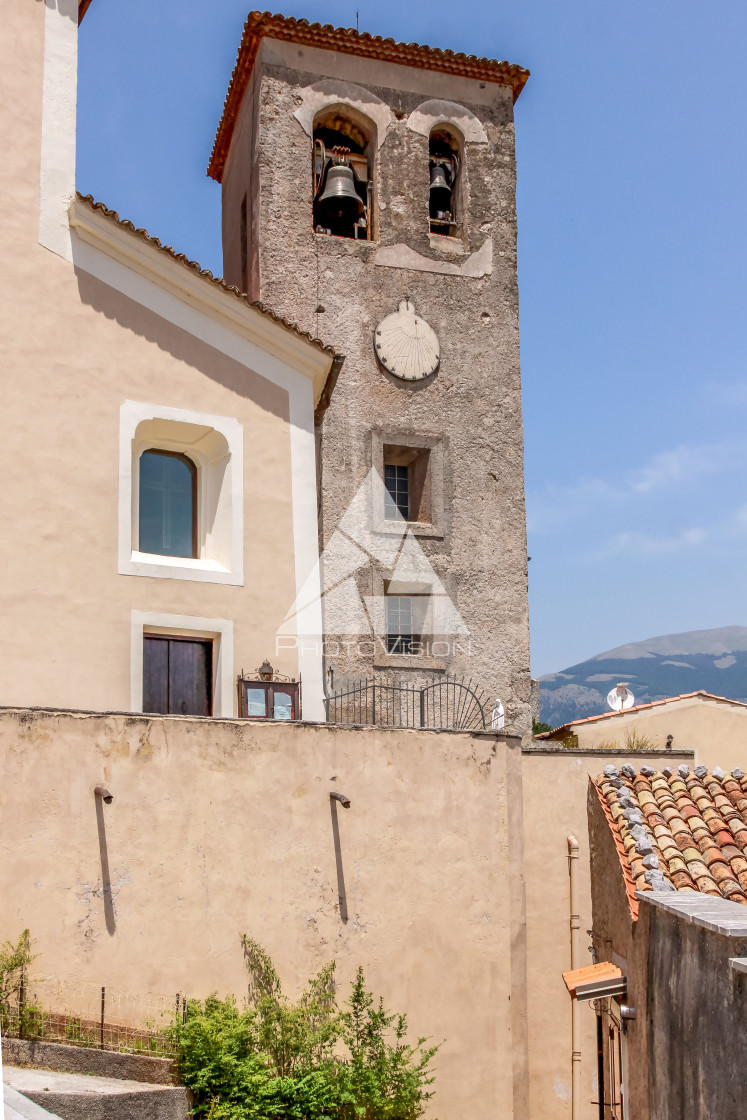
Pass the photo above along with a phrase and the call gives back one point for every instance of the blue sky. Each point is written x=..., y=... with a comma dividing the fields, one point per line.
x=632, y=158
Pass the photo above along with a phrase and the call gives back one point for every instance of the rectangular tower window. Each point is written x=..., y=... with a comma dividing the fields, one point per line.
x=177, y=675
x=397, y=498
x=407, y=483
x=399, y=624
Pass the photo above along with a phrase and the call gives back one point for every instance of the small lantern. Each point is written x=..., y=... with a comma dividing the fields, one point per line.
x=266, y=671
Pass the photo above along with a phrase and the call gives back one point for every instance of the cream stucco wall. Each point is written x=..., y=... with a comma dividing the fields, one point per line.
x=715, y=729
x=79, y=338
x=219, y=828
x=555, y=785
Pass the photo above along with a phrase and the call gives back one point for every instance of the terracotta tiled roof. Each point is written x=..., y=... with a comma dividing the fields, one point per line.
x=344, y=40
x=678, y=829
x=640, y=708
x=83, y=6
x=113, y=216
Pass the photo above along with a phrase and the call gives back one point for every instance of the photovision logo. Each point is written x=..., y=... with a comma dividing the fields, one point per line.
x=373, y=535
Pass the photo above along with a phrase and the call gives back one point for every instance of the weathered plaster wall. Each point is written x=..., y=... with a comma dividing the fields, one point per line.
x=617, y=938
x=73, y=350
x=716, y=730
x=342, y=289
x=697, y=1014
x=223, y=827
x=555, y=785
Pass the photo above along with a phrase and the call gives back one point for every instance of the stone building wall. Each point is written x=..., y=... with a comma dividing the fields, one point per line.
x=341, y=289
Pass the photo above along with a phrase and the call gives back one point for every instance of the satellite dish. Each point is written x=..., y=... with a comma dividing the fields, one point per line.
x=620, y=698
x=498, y=718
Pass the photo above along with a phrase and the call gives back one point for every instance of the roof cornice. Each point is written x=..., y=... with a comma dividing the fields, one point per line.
x=344, y=40
x=145, y=255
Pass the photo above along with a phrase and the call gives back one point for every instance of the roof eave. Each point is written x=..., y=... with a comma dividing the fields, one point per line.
x=261, y=25
x=136, y=249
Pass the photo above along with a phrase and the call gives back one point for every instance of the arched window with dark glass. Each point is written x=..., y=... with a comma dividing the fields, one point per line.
x=168, y=504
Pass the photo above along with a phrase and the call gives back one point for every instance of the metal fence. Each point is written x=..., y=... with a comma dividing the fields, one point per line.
x=85, y=1014
x=444, y=704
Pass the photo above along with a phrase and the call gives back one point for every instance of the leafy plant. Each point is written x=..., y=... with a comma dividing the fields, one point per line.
x=275, y=1059
x=14, y=959
x=637, y=742
x=539, y=728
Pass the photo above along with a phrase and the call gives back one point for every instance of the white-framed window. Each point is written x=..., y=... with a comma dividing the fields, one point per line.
x=218, y=632
x=191, y=481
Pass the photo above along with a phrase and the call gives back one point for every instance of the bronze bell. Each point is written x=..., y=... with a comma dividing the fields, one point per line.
x=340, y=199
x=440, y=190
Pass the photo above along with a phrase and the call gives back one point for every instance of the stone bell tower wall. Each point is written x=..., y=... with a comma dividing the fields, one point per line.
x=468, y=414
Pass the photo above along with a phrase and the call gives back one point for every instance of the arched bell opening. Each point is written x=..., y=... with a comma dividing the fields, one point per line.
x=444, y=162
x=343, y=180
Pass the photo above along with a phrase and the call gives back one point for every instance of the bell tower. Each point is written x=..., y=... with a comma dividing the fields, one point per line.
x=369, y=196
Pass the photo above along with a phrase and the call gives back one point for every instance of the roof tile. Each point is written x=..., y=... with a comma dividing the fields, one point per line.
x=681, y=832
x=123, y=223
x=344, y=40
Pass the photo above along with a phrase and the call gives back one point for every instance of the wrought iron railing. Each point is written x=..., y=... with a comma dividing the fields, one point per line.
x=446, y=703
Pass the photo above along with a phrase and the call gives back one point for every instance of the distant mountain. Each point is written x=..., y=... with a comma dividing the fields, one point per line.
x=713, y=660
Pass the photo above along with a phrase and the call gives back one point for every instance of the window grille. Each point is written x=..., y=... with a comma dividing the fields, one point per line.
x=397, y=498
x=399, y=624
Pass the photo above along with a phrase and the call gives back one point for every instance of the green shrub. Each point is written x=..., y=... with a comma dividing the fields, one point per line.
x=306, y=1061
x=539, y=728
x=14, y=960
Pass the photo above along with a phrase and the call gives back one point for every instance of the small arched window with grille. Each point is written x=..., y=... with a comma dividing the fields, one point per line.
x=342, y=175
x=444, y=161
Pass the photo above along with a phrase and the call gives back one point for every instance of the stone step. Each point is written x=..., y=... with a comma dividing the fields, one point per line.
x=18, y=1107
x=77, y=1096
x=68, y=1058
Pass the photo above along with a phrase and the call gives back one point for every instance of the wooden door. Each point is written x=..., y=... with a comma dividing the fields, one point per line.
x=177, y=675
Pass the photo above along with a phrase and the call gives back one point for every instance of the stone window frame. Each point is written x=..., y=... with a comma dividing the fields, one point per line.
x=218, y=630
x=434, y=444
x=220, y=490
x=382, y=659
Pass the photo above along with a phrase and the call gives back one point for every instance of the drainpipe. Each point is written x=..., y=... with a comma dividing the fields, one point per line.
x=575, y=963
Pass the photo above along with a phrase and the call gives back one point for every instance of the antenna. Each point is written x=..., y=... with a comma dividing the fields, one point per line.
x=356, y=19
x=620, y=698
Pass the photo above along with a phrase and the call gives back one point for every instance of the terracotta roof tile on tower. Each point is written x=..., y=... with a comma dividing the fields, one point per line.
x=678, y=830
x=345, y=40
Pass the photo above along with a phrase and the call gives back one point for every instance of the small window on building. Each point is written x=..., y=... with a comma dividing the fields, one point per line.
x=397, y=500
x=407, y=483
x=444, y=163
x=342, y=180
x=400, y=624
x=177, y=675
x=168, y=504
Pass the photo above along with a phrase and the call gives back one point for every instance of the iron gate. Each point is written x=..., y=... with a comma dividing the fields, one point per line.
x=444, y=704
